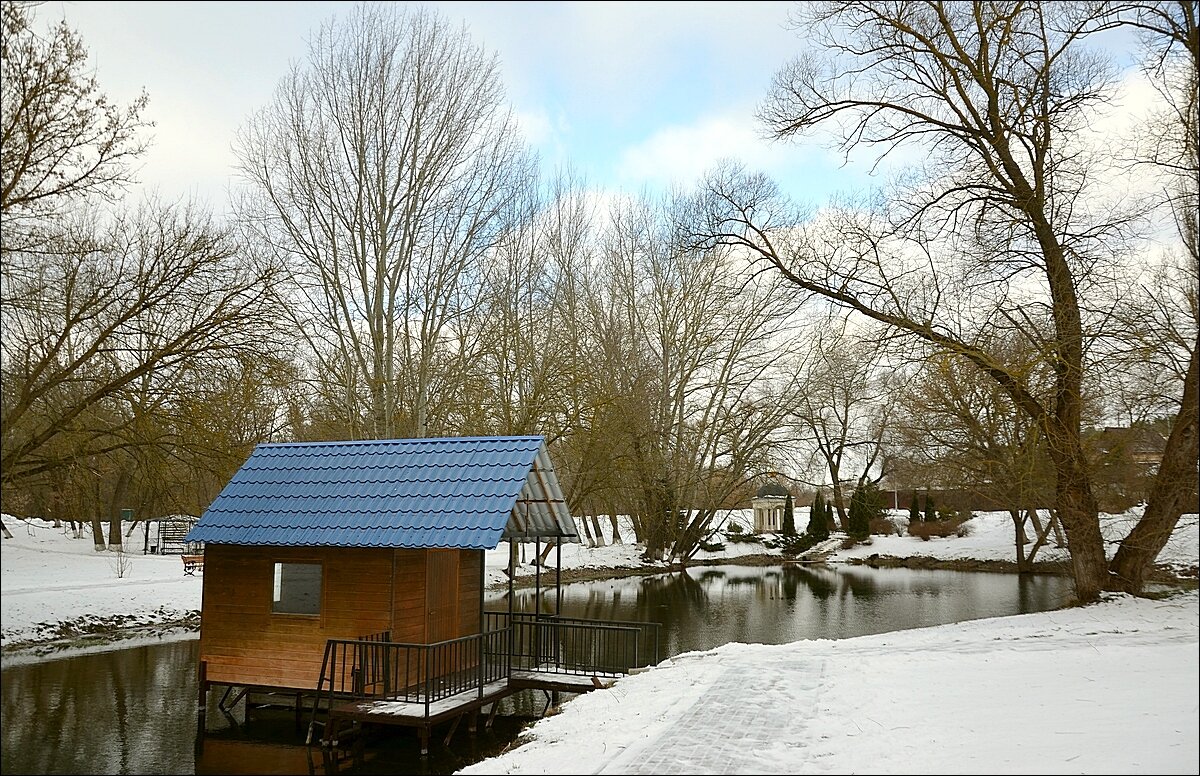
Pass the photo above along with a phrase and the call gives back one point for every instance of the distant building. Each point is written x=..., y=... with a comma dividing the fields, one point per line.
x=1124, y=462
x=768, y=504
x=1138, y=445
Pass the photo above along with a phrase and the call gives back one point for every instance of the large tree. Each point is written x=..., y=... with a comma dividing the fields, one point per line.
x=957, y=428
x=111, y=314
x=705, y=369
x=1164, y=324
x=999, y=231
x=382, y=173
x=116, y=327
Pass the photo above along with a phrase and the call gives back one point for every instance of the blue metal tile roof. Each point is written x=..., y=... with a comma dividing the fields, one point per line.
x=416, y=493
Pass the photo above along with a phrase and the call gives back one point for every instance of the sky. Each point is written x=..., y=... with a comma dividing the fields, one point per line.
x=630, y=96
x=627, y=94
x=1107, y=688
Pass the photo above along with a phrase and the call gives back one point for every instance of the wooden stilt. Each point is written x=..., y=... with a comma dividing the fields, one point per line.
x=491, y=715
x=453, y=728
x=201, y=707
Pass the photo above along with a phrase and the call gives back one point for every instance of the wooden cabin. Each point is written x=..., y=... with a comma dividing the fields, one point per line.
x=314, y=542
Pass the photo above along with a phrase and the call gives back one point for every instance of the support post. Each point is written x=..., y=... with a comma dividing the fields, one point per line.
x=492, y=714
x=201, y=706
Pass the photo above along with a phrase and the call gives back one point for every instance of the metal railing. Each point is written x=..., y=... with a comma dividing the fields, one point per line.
x=575, y=645
x=376, y=668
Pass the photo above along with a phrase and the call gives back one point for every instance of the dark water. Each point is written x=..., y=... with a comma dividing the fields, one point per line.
x=133, y=711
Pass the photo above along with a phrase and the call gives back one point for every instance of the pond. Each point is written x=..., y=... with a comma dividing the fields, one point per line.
x=133, y=710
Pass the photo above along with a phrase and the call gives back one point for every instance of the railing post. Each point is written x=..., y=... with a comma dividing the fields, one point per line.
x=428, y=677
x=480, y=653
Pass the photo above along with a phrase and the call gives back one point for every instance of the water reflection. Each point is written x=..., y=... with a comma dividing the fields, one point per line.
x=132, y=711
x=126, y=711
x=704, y=607
x=266, y=739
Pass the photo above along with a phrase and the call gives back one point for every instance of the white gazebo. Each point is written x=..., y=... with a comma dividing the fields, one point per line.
x=768, y=504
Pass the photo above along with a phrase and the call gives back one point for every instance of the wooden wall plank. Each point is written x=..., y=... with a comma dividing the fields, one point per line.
x=364, y=591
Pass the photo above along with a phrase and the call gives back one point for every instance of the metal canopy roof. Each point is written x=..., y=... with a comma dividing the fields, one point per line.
x=466, y=492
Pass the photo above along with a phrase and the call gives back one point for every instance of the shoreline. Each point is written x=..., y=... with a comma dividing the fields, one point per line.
x=81, y=639
x=1162, y=574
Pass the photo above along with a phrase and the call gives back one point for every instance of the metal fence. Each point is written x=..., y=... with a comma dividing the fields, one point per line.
x=576, y=645
x=376, y=668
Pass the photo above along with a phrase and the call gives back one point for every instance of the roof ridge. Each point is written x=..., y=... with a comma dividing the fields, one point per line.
x=406, y=440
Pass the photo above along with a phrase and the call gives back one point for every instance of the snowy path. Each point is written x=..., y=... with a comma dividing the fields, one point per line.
x=728, y=703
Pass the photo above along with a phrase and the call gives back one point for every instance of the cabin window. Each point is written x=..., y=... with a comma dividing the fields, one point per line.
x=297, y=588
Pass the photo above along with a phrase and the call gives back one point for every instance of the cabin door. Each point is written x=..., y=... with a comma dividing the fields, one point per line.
x=441, y=595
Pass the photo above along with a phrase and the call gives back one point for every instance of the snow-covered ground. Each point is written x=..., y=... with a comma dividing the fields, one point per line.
x=1107, y=688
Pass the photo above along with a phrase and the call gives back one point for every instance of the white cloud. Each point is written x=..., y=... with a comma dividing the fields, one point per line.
x=536, y=126
x=681, y=154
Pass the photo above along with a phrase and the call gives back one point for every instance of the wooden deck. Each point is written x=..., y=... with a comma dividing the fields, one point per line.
x=372, y=680
x=398, y=712
x=344, y=720
x=412, y=714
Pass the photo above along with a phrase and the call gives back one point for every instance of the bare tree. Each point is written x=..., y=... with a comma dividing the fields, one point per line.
x=524, y=362
x=956, y=427
x=108, y=317
x=842, y=408
x=991, y=226
x=61, y=140
x=1167, y=330
x=700, y=375
x=381, y=175
x=103, y=332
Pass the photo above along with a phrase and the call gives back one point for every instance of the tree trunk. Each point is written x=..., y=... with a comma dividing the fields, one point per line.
x=98, y=534
x=616, y=530
x=1019, y=533
x=114, y=532
x=114, y=511
x=1174, y=487
x=587, y=532
x=1060, y=541
x=1077, y=509
x=600, y=542
x=839, y=506
x=550, y=545
x=1041, y=532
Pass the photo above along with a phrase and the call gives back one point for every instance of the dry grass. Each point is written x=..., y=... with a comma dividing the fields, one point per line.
x=881, y=526
x=926, y=530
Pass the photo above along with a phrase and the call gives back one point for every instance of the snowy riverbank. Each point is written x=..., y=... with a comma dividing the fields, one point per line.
x=58, y=593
